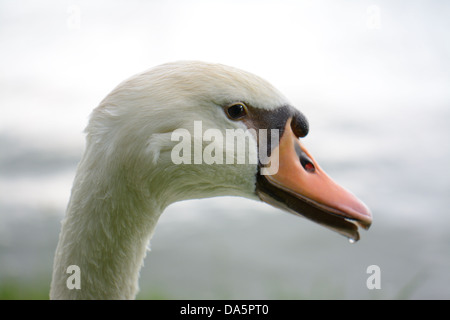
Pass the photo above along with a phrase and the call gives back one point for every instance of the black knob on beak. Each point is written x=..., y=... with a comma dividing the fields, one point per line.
x=299, y=124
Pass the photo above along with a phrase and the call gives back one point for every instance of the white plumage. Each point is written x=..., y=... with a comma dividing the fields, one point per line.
x=126, y=178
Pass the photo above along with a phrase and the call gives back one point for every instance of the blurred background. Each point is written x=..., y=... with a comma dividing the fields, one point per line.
x=373, y=78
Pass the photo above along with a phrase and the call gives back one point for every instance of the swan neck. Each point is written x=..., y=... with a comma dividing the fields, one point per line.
x=105, y=233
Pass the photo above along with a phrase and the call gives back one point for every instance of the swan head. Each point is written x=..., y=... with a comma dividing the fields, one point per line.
x=176, y=132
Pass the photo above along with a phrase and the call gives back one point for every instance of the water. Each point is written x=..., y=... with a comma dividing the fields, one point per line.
x=377, y=102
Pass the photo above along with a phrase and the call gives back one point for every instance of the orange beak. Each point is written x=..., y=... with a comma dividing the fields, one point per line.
x=300, y=186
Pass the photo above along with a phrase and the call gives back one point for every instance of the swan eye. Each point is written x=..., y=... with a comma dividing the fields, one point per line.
x=236, y=111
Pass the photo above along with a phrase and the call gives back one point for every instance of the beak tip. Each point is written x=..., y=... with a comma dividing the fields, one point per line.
x=367, y=220
x=366, y=225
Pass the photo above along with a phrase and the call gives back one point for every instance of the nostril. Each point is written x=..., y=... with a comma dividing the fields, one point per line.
x=309, y=167
x=307, y=163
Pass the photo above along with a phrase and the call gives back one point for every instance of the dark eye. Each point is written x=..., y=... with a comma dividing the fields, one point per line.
x=236, y=111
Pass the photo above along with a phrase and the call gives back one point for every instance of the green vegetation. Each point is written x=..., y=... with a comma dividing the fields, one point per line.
x=16, y=290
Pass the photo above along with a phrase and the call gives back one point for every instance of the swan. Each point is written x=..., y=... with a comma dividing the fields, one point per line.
x=127, y=176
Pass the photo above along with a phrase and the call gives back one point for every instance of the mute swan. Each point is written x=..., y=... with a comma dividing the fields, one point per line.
x=126, y=177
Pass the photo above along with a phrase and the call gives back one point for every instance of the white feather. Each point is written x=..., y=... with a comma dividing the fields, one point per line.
x=126, y=177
